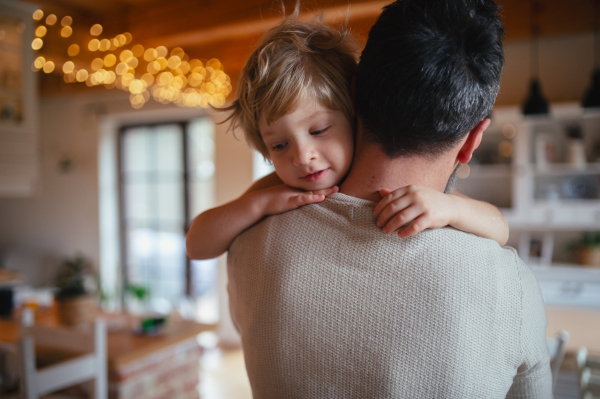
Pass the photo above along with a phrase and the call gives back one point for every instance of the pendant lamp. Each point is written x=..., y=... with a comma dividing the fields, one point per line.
x=592, y=95
x=536, y=103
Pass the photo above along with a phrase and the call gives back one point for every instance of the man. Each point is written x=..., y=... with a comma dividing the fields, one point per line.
x=330, y=307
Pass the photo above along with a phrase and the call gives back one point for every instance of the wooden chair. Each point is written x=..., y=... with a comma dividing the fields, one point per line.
x=87, y=363
x=557, y=347
x=589, y=378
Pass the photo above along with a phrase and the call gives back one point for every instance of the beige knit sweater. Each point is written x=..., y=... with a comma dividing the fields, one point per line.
x=330, y=307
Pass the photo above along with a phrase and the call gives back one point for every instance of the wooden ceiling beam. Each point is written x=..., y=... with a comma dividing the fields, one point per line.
x=235, y=31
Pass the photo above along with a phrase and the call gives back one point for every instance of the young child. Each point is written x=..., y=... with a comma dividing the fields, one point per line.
x=295, y=108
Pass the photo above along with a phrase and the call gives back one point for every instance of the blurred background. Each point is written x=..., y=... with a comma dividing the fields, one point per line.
x=109, y=146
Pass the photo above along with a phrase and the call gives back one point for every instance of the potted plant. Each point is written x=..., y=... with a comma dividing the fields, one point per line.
x=76, y=296
x=587, y=249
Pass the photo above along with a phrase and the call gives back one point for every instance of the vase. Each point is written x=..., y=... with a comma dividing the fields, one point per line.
x=588, y=256
x=76, y=310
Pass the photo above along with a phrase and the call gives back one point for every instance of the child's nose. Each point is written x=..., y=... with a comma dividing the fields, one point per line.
x=303, y=154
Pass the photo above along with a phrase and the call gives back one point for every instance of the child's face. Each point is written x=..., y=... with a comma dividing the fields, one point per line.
x=312, y=147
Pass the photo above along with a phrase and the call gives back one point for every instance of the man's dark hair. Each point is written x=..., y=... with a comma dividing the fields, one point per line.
x=430, y=71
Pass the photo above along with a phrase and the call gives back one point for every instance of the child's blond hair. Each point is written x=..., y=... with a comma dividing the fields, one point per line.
x=294, y=59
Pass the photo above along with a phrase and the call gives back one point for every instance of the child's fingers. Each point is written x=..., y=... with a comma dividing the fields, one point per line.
x=417, y=226
x=402, y=218
x=299, y=200
x=387, y=199
x=392, y=209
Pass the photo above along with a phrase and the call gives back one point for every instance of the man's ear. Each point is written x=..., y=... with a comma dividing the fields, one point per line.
x=473, y=140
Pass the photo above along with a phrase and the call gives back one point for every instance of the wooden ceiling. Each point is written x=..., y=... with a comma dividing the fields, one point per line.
x=229, y=29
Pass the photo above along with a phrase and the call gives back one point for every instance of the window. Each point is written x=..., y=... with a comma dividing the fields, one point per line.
x=166, y=178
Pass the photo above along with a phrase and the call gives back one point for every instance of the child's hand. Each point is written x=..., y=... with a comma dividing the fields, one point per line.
x=424, y=206
x=283, y=198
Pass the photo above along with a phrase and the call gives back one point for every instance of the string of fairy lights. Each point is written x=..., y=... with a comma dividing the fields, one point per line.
x=167, y=76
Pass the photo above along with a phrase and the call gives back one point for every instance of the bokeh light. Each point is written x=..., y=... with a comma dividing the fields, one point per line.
x=66, y=21
x=68, y=67
x=73, y=50
x=137, y=50
x=81, y=75
x=97, y=64
x=464, y=171
x=51, y=19
x=505, y=148
x=49, y=67
x=128, y=37
x=162, y=51
x=96, y=30
x=150, y=54
x=104, y=45
x=39, y=62
x=38, y=15
x=110, y=60
x=94, y=45
x=509, y=131
x=66, y=31
x=37, y=43
x=40, y=31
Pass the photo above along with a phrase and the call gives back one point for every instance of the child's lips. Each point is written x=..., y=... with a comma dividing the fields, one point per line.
x=312, y=177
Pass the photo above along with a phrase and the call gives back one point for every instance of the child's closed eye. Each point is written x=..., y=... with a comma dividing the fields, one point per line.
x=320, y=131
x=278, y=146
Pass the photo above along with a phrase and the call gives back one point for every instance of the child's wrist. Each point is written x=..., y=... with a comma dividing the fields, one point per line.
x=257, y=204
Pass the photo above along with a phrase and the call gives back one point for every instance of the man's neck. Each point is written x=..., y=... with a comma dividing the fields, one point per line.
x=373, y=170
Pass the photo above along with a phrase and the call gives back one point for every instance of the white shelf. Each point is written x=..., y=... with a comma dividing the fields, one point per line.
x=566, y=170
x=490, y=171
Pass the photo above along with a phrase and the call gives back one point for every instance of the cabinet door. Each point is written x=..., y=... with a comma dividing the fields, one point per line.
x=18, y=101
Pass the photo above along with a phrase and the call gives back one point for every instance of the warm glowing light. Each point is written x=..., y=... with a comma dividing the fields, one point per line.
x=178, y=51
x=49, y=67
x=73, y=50
x=128, y=37
x=114, y=44
x=51, y=19
x=148, y=78
x=104, y=45
x=162, y=51
x=122, y=39
x=137, y=86
x=96, y=30
x=153, y=67
x=39, y=62
x=110, y=60
x=174, y=62
x=38, y=14
x=137, y=50
x=127, y=79
x=505, y=148
x=150, y=54
x=165, y=78
x=97, y=64
x=94, y=45
x=213, y=63
x=509, y=131
x=111, y=78
x=68, y=67
x=162, y=62
x=121, y=68
x=37, y=44
x=464, y=171
x=195, y=79
x=70, y=77
x=81, y=75
x=66, y=21
x=195, y=64
x=41, y=31
x=66, y=31
x=185, y=67
x=125, y=55
x=132, y=62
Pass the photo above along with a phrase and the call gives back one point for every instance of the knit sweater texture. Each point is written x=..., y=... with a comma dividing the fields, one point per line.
x=328, y=306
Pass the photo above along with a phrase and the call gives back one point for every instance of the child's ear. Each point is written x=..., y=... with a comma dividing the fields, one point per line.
x=473, y=140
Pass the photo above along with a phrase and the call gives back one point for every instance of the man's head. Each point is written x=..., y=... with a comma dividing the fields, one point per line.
x=429, y=74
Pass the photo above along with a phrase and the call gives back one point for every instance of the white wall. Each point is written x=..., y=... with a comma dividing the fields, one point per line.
x=62, y=220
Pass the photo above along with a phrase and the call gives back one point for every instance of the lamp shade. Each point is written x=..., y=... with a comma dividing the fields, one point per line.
x=592, y=96
x=536, y=103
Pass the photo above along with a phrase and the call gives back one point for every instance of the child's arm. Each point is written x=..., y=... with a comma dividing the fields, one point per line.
x=428, y=208
x=212, y=232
